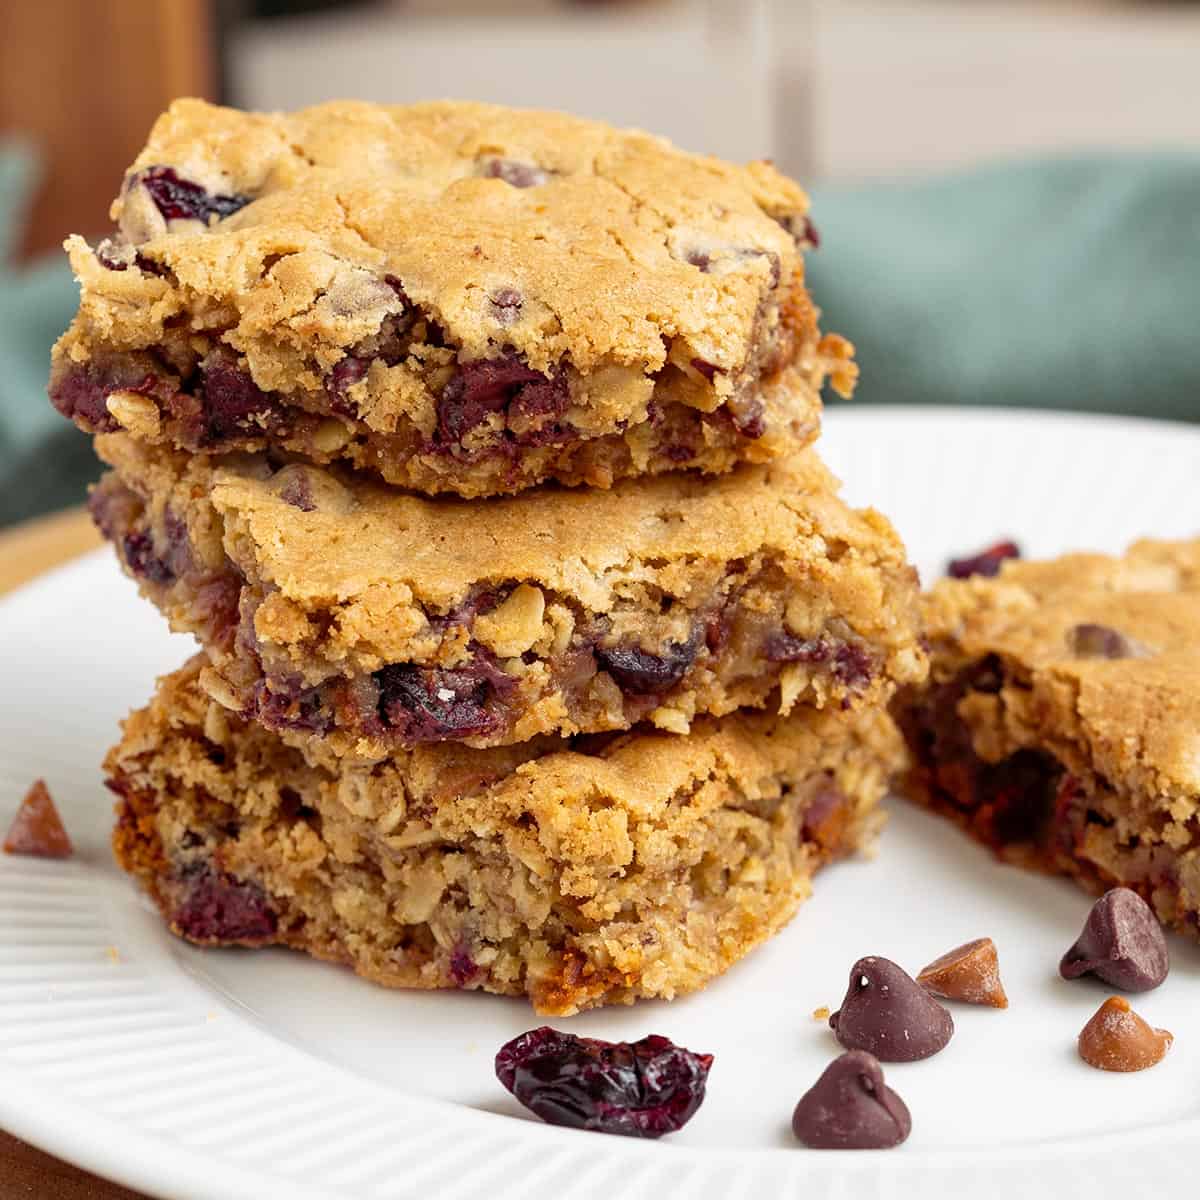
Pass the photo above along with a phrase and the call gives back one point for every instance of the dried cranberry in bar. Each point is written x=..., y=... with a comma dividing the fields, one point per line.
x=37, y=829
x=985, y=562
x=639, y=1089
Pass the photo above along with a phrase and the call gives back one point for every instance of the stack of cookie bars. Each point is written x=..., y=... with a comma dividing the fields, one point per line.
x=540, y=654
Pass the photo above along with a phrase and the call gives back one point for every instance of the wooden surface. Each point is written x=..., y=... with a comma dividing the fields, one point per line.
x=83, y=80
x=25, y=552
x=28, y=550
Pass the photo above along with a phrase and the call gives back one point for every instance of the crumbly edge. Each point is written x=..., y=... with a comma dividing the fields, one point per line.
x=392, y=416
x=538, y=659
x=579, y=874
x=986, y=752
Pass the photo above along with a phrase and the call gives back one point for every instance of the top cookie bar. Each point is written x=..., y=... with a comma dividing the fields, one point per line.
x=456, y=297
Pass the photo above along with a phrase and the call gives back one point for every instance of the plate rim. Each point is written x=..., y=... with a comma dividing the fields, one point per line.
x=151, y=1162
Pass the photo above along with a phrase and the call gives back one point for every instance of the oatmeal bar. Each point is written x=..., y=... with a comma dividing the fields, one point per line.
x=375, y=621
x=579, y=873
x=457, y=297
x=1061, y=724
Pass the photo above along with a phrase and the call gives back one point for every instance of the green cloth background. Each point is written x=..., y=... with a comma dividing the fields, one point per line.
x=1062, y=284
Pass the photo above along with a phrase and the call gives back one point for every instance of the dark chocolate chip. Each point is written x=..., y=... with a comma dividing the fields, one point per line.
x=851, y=1108
x=887, y=1013
x=986, y=562
x=1088, y=640
x=516, y=174
x=1122, y=943
x=506, y=305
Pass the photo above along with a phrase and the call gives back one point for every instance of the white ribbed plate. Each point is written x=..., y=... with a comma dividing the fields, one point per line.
x=232, y=1074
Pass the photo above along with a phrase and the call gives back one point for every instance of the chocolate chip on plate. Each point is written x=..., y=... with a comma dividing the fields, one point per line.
x=37, y=829
x=1122, y=943
x=970, y=973
x=1117, y=1039
x=851, y=1108
x=887, y=1013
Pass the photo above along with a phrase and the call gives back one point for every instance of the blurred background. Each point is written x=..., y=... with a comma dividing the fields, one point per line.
x=1007, y=191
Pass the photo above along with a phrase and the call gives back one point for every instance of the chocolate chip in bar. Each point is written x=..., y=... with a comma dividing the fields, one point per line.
x=970, y=973
x=851, y=1108
x=1089, y=640
x=37, y=829
x=888, y=1014
x=1117, y=1039
x=1122, y=943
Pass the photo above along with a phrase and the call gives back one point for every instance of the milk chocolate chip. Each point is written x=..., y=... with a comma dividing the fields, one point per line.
x=887, y=1013
x=970, y=973
x=851, y=1108
x=1121, y=943
x=37, y=829
x=1117, y=1039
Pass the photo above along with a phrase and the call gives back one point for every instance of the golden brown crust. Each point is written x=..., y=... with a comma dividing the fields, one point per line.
x=634, y=268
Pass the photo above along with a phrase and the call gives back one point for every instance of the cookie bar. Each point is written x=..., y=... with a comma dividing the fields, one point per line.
x=1061, y=723
x=578, y=873
x=374, y=620
x=457, y=297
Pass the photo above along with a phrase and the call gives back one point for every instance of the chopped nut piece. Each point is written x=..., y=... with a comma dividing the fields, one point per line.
x=37, y=829
x=1117, y=1039
x=134, y=412
x=970, y=973
x=512, y=627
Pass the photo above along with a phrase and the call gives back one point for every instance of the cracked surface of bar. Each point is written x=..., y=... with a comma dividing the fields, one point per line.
x=455, y=297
